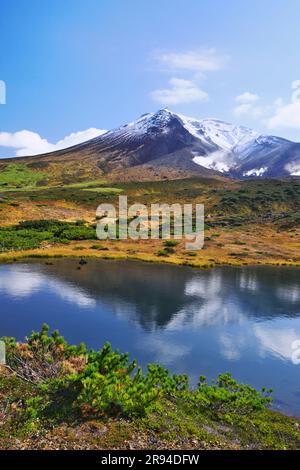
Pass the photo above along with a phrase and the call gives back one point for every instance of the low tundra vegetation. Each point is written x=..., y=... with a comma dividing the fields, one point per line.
x=31, y=234
x=107, y=382
x=48, y=382
x=20, y=176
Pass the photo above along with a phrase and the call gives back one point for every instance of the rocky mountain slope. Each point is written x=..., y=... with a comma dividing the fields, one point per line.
x=169, y=145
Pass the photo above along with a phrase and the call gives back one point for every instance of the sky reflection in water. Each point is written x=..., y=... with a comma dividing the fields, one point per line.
x=242, y=320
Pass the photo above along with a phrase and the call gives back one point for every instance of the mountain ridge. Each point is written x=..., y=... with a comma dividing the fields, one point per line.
x=182, y=145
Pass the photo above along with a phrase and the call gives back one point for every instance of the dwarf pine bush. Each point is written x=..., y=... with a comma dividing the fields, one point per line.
x=107, y=382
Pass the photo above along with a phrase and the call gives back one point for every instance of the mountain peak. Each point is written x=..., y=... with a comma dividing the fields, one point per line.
x=184, y=146
x=211, y=143
x=211, y=131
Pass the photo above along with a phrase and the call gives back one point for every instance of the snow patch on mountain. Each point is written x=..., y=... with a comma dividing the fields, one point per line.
x=145, y=125
x=226, y=136
x=146, y=122
x=233, y=150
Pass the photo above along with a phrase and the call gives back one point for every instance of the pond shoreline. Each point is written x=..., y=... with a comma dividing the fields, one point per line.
x=31, y=419
x=76, y=251
x=233, y=315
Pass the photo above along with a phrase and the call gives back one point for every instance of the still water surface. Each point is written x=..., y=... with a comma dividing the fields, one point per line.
x=242, y=320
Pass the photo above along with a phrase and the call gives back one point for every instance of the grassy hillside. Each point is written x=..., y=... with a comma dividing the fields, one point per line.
x=246, y=222
x=20, y=176
x=232, y=197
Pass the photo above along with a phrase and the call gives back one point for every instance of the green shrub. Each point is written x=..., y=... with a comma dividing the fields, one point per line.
x=110, y=383
x=169, y=250
x=162, y=253
x=227, y=394
x=99, y=247
x=42, y=357
x=69, y=379
x=171, y=243
x=30, y=234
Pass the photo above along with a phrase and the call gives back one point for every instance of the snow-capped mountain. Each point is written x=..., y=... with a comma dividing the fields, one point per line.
x=242, y=152
x=226, y=136
x=169, y=145
x=213, y=144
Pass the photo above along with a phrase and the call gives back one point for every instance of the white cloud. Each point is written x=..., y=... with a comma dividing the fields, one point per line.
x=165, y=351
x=247, y=97
x=292, y=293
x=287, y=115
x=206, y=306
x=25, y=141
x=194, y=63
x=295, y=85
x=23, y=282
x=78, y=137
x=276, y=341
x=180, y=91
x=231, y=346
x=247, y=105
x=203, y=61
x=275, y=115
x=30, y=143
x=251, y=110
x=243, y=109
x=2, y=92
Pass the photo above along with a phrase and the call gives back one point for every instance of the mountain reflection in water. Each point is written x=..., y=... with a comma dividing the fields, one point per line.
x=239, y=319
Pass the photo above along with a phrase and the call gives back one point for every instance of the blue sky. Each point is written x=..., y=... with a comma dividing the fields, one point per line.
x=82, y=66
